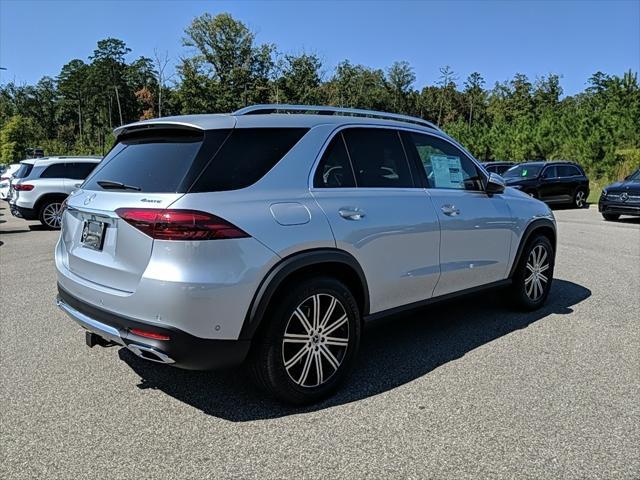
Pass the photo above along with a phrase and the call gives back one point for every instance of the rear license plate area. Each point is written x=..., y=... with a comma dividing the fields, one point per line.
x=93, y=234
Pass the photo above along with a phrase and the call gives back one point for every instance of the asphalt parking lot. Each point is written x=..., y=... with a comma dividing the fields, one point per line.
x=468, y=389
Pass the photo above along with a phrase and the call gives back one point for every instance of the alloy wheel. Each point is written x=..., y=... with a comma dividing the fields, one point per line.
x=315, y=340
x=537, y=264
x=580, y=199
x=52, y=215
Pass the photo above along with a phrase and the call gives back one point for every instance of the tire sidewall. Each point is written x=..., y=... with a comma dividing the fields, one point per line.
x=282, y=385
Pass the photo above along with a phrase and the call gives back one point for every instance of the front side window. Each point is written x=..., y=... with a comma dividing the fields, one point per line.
x=378, y=158
x=523, y=171
x=550, y=172
x=334, y=169
x=445, y=165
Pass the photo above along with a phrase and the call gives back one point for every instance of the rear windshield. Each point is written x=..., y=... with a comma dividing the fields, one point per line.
x=155, y=163
x=176, y=162
x=523, y=171
x=24, y=170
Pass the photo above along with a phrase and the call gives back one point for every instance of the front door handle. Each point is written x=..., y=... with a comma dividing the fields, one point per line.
x=450, y=210
x=351, y=213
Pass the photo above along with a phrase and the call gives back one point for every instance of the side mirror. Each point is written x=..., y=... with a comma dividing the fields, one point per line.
x=495, y=184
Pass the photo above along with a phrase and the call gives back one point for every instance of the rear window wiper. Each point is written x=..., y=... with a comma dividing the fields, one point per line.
x=111, y=185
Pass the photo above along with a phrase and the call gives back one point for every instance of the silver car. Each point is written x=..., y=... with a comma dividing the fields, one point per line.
x=269, y=235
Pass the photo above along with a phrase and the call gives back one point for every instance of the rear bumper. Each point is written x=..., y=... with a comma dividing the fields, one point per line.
x=182, y=350
x=22, y=212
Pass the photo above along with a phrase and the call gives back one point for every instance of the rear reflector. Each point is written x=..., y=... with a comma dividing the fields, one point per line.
x=23, y=187
x=179, y=224
x=152, y=335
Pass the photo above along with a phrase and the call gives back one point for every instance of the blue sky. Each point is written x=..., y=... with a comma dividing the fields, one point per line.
x=496, y=38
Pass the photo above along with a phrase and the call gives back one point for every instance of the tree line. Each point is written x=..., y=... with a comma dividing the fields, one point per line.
x=224, y=69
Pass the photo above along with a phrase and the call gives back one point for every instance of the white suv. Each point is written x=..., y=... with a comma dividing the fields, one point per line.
x=40, y=186
x=201, y=241
x=5, y=179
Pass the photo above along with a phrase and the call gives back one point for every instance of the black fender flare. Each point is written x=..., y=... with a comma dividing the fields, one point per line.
x=284, y=269
x=532, y=228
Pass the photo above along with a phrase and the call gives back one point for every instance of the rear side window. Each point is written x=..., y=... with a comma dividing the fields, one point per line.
x=57, y=170
x=334, y=169
x=245, y=157
x=378, y=158
x=154, y=162
x=550, y=172
x=80, y=170
x=24, y=170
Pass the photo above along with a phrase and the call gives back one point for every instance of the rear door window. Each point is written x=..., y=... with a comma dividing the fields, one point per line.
x=334, y=169
x=79, y=170
x=568, y=171
x=550, y=172
x=245, y=157
x=57, y=170
x=378, y=158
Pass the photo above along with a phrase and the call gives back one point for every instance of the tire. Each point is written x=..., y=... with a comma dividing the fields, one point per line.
x=529, y=289
x=580, y=199
x=610, y=217
x=50, y=214
x=288, y=367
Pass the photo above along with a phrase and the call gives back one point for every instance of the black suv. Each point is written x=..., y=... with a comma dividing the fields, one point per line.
x=551, y=182
x=621, y=198
x=497, y=167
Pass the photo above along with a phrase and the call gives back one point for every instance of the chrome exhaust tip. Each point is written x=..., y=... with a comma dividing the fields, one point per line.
x=150, y=354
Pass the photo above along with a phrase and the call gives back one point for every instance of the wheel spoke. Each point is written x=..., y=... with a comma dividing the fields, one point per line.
x=529, y=267
x=543, y=268
x=296, y=338
x=296, y=358
x=306, y=368
x=529, y=278
x=543, y=254
x=316, y=312
x=335, y=325
x=543, y=278
x=330, y=356
x=319, y=374
x=303, y=319
x=329, y=312
x=339, y=342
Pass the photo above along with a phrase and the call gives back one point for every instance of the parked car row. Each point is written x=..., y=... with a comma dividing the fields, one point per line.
x=37, y=188
x=566, y=183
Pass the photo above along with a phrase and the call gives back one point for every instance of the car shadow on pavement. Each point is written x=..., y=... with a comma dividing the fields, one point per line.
x=393, y=351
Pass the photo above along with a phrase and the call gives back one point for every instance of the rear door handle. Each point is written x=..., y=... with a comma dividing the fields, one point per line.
x=450, y=210
x=351, y=213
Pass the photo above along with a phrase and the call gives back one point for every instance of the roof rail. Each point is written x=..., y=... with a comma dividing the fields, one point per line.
x=324, y=110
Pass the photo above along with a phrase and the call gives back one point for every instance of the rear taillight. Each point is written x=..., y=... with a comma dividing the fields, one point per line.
x=152, y=335
x=179, y=224
x=23, y=187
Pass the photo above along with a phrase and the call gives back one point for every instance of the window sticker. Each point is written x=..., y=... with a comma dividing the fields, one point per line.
x=447, y=171
x=524, y=172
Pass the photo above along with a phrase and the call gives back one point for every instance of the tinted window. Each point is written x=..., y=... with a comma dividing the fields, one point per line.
x=334, y=169
x=550, y=172
x=378, y=158
x=79, y=170
x=523, y=171
x=155, y=163
x=246, y=156
x=24, y=170
x=57, y=170
x=568, y=171
x=445, y=165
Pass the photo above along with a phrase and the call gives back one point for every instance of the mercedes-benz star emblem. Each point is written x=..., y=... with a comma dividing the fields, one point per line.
x=624, y=197
x=88, y=200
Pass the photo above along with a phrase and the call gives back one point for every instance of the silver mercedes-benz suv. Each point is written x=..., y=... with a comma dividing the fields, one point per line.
x=271, y=234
